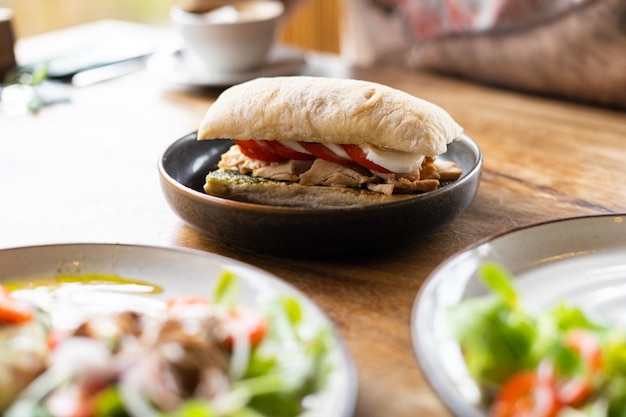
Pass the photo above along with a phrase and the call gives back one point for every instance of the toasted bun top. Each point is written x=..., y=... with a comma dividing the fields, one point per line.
x=329, y=110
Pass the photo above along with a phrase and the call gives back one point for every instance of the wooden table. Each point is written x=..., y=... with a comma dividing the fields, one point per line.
x=85, y=171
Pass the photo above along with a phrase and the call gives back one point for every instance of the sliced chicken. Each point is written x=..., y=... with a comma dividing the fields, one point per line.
x=320, y=172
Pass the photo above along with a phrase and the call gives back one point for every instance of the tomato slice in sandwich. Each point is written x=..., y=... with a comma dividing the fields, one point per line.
x=287, y=152
x=325, y=153
x=258, y=150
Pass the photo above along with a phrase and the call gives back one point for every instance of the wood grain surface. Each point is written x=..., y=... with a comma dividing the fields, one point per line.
x=85, y=171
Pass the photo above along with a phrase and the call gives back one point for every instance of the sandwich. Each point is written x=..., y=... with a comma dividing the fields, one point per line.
x=325, y=142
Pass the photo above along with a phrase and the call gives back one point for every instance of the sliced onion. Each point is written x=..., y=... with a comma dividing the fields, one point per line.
x=240, y=352
x=135, y=401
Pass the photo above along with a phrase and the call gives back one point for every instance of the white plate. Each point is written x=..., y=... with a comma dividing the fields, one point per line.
x=580, y=260
x=182, y=271
x=177, y=66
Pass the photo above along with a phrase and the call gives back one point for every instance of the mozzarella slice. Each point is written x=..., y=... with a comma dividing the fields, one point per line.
x=394, y=161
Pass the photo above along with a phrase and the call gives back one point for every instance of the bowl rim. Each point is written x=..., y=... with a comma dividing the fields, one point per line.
x=264, y=208
x=182, y=17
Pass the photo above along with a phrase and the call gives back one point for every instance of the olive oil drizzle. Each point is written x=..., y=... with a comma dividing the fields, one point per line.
x=111, y=282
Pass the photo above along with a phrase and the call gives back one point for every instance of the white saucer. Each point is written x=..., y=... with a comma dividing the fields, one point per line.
x=177, y=66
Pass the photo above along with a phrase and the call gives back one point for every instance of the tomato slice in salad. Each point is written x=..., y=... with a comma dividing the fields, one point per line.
x=13, y=310
x=359, y=156
x=287, y=152
x=248, y=323
x=258, y=150
x=245, y=322
x=183, y=301
x=325, y=153
x=526, y=394
x=575, y=391
x=587, y=345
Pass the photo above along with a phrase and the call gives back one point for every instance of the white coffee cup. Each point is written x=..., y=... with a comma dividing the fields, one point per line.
x=232, y=36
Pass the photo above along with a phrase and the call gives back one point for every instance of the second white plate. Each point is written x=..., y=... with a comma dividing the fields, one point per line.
x=182, y=271
x=581, y=261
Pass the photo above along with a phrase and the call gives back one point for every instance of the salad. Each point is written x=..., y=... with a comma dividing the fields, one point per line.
x=531, y=363
x=197, y=356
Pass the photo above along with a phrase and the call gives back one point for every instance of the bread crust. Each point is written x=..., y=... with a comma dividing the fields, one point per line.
x=329, y=110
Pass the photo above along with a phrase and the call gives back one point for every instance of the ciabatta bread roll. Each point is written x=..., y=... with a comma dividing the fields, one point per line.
x=329, y=110
x=327, y=132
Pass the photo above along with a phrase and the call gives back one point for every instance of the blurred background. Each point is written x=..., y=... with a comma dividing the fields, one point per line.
x=315, y=25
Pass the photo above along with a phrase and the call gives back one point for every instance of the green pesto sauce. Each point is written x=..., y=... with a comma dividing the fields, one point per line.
x=234, y=176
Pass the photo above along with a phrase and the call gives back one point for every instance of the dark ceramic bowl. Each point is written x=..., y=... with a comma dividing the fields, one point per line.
x=302, y=231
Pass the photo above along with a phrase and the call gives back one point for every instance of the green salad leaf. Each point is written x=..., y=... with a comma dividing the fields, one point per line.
x=289, y=364
x=498, y=336
x=226, y=291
